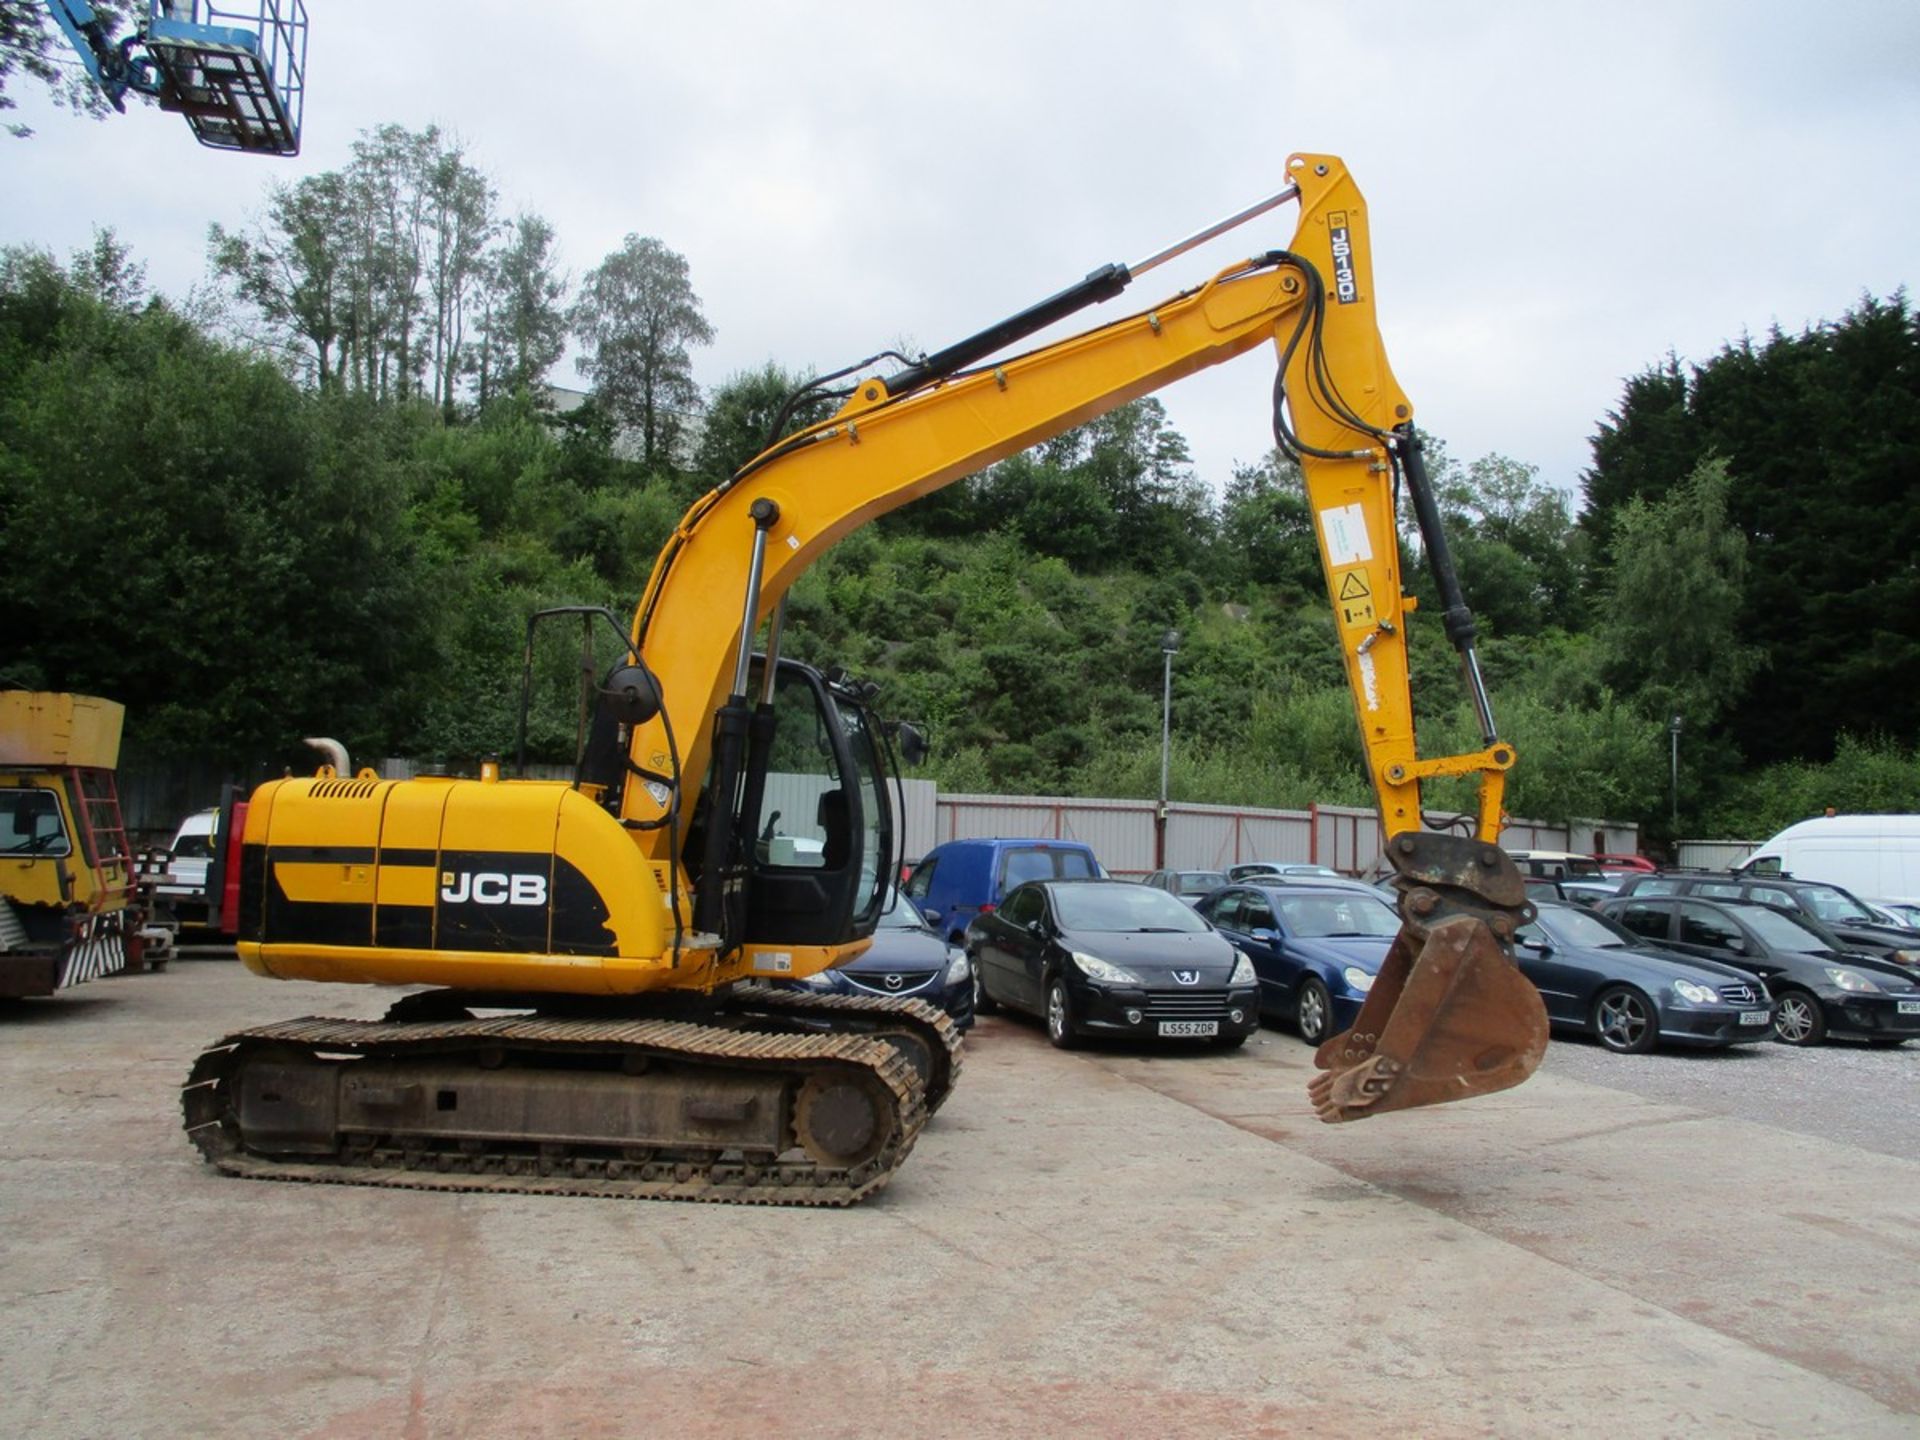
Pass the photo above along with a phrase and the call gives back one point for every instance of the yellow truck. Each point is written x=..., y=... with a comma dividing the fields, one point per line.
x=70, y=907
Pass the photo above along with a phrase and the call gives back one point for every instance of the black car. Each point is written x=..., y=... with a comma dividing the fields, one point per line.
x=1857, y=927
x=1112, y=957
x=908, y=959
x=1819, y=987
x=1599, y=978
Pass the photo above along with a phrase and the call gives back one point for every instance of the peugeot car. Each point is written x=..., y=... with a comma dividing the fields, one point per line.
x=1113, y=957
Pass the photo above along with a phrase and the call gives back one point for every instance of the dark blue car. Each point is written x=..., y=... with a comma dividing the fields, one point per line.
x=1316, y=948
x=909, y=959
x=1600, y=978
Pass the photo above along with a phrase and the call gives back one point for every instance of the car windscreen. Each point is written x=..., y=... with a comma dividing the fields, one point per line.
x=1323, y=917
x=901, y=914
x=1583, y=927
x=1122, y=907
x=1830, y=903
x=1782, y=932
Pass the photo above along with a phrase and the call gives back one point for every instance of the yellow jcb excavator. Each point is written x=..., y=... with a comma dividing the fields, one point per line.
x=597, y=1026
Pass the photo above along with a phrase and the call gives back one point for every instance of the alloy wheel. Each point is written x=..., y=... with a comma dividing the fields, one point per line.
x=1794, y=1022
x=1622, y=1020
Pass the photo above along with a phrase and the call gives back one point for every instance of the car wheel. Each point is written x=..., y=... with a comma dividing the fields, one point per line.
x=1624, y=1020
x=1313, y=1011
x=1797, y=1020
x=983, y=1003
x=1060, y=1015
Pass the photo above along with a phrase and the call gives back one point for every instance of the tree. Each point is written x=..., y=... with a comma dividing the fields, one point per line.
x=31, y=44
x=460, y=224
x=1821, y=435
x=523, y=318
x=294, y=270
x=1266, y=529
x=635, y=318
x=1671, y=631
x=742, y=413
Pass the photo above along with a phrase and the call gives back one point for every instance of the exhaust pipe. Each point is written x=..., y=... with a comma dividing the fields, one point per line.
x=335, y=752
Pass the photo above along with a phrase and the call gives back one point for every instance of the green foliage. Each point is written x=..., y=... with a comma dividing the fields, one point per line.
x=1671, y=628
x=635, y=317
x=245, y=561
x=1867, y=775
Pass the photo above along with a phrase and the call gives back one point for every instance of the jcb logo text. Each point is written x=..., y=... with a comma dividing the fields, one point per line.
x=491, y=889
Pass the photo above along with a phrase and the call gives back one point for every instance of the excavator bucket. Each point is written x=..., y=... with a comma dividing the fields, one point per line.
x=1450, y=1015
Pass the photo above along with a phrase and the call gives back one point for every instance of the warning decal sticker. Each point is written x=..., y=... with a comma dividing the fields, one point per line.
x=1354, y=594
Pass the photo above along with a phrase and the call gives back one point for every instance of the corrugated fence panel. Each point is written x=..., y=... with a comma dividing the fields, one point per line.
x=1713, y=854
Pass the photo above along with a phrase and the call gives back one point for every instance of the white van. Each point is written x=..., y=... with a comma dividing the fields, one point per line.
x=1876, y=855
x=190, y=857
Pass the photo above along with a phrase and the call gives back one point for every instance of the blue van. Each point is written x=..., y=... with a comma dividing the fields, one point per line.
x=956, y=881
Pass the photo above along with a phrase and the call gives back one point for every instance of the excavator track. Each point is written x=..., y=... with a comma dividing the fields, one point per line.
x=937, y=1055
x=626, y=1109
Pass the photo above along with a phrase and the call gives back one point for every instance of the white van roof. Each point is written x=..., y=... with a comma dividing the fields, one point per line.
x=1850, y=825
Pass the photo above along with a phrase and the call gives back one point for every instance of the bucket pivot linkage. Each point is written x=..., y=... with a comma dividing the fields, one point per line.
x=1450, y=1015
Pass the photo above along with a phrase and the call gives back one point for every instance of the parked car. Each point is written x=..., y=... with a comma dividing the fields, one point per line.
x=1292, y=869
x=1557, y=865
x=1819, y=987
x=960, y=879
x=1896, y=912
x=1316, y=948
x=1614, y=863
x=908, y=959
x=1601, y=979
x=1580, y=892
x=1858, y=927
x=1111, y=957
x=1188, y=885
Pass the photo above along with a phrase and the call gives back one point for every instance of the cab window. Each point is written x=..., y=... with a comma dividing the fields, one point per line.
x=30, y=824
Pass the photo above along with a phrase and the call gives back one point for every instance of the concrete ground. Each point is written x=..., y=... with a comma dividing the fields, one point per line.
x=1101, y=1243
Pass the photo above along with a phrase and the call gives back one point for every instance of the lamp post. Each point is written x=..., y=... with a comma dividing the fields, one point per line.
x=1169, y=646
x=1673, y=733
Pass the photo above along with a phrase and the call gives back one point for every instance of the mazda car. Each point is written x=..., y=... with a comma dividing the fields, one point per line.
x=1114, y=958
x=908, y=958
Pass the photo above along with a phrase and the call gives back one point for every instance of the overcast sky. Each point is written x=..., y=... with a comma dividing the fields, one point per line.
x=1557, y=199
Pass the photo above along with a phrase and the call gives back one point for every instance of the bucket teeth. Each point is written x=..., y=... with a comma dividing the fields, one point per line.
x=1454, y=1020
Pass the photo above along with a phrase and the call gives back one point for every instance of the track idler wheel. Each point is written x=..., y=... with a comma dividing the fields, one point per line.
x=844, y=1119
x=1450, y=1016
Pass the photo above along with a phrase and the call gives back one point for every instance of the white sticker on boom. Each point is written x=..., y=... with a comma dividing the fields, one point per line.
x=1369, y=681
x=773, y=962
x=1344, y=529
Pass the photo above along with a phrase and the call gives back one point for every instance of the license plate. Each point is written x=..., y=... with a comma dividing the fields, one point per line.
x=1188, y=1028
x=1910, y=1007
x=1755, y=1017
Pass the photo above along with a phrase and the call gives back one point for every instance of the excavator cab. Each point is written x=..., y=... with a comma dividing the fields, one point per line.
x=823, y=830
